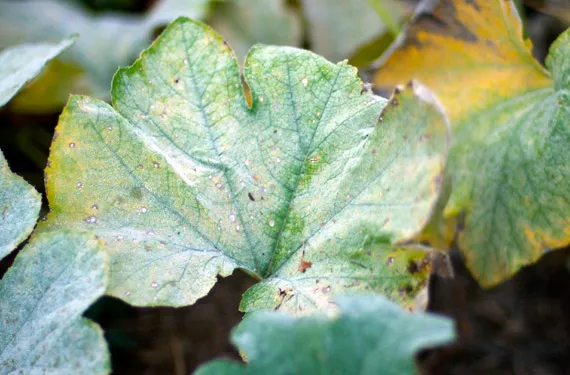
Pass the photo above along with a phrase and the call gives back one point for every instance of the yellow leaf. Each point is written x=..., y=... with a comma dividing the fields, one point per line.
x=508, y=166
x=471, y=53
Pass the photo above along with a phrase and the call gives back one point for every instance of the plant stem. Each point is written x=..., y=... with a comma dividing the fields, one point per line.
x=386, y=16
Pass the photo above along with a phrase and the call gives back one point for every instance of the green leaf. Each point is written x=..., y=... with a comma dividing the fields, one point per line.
x=20, y=64
x=19, y=208
x=185, y=182
x=105, y=42
x=338, y=28
x=244, y=23
x=51, y=283
x=370, y=336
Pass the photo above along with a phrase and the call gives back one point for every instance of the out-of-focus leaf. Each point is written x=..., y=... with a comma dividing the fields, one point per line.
x=165, y=11
x=51, y=283
x=19, y=202
x=471, y=53
x=368, y=53
x=338, y=28
x=105, y=43
x=555, y=8
x=509, y=162
x=244, y=23
x=184, y=182
x=370, y=336
x=19, y=208
x=20, y=64
x=50, y=89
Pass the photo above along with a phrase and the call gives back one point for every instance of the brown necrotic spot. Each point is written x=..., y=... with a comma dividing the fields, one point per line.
x=413, y=267
x=304, y=265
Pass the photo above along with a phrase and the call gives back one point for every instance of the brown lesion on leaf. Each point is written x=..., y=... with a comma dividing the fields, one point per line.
x=246, y=92
x=284, y=295
x=366, y=88
x=304, y=265
x=419, y=266
x=399, y=92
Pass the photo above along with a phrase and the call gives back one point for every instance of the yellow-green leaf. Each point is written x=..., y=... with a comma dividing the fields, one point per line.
x=509, y=164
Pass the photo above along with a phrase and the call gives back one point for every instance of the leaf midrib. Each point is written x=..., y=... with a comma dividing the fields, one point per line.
x=207, y=125
x=302, y=164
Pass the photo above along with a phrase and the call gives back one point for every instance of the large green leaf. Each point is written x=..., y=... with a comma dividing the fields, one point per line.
x=21, y=64
x=371, y=336
x=51, y=283
x=244, y=23
x=106, y=41
x=509, y=162
x=19, y=202
x=185, y=182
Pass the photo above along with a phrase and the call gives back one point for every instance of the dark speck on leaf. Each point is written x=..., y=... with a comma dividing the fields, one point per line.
x=413, y=267
x=251, y=198
x=366, y=88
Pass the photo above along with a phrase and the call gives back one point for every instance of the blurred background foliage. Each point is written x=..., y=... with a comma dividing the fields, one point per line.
x=112, y=33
